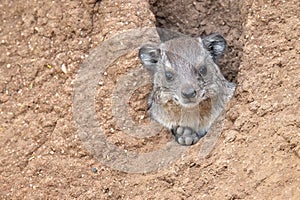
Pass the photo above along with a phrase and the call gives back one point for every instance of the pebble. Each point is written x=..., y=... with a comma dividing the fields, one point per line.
x=101, y=83
x=230, y=136
x=64, y=68
x=94, y=169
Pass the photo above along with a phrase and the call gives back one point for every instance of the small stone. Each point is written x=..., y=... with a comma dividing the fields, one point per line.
x=64, y=68
x=192, y=164
x=94, y=169
x=254, y=106
x=101, y=83
x=230, y=136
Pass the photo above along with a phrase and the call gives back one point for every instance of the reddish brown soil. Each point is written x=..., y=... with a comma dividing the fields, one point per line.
x=41, y=155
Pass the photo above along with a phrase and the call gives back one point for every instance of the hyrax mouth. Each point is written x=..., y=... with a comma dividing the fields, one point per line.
x=187, y=103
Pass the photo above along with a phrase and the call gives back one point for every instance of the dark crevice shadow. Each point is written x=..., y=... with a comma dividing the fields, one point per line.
x=200, y=18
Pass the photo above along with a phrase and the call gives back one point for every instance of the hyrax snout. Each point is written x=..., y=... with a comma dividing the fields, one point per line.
x=189, y=91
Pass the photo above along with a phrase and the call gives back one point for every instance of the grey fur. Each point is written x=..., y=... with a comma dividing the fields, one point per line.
x=189, y=91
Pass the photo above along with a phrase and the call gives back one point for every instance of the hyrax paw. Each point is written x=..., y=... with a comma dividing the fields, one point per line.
x=186, y=136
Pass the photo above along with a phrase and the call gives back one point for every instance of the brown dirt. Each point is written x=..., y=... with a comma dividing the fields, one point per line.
x=41, y=155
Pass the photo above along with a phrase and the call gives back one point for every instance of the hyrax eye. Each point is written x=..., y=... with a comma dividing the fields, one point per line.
x=169, y=76
x=202, y=70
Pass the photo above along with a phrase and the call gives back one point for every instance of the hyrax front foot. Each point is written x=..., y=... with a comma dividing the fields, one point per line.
x=187, y=136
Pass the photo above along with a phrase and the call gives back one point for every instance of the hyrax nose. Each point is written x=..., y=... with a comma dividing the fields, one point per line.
x=188, y=92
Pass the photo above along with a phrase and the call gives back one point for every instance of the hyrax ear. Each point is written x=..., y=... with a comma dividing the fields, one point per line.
x=150, y=56
x=215, y=44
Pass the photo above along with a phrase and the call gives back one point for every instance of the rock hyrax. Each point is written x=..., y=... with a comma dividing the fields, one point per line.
x=189, y=91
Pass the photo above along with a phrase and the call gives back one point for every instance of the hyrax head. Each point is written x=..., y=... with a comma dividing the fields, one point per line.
x=184, y=68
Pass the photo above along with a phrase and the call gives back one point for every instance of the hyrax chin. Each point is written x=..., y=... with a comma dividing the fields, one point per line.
x=189, y=91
